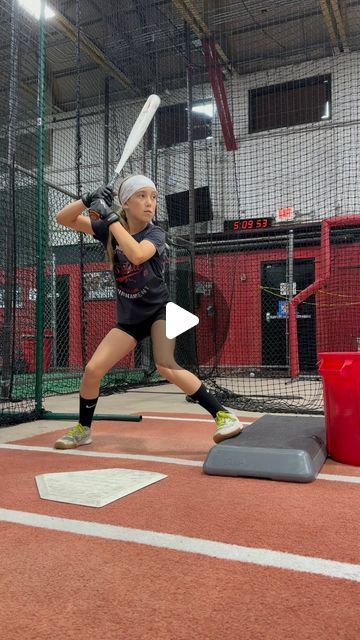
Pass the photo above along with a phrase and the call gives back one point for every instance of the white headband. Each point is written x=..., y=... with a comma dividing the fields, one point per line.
x=133, y=184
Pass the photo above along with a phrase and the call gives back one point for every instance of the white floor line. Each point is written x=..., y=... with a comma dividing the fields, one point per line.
x=337, y=478
x=210, y=548
x=179, y=419
x=130, y=456
x=247, y=420
x=101, y=454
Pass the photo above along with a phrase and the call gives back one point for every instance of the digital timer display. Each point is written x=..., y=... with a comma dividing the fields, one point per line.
x=247, y=224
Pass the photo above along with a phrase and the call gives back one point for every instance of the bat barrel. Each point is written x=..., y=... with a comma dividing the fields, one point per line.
x=137, y=133
x=113, y=180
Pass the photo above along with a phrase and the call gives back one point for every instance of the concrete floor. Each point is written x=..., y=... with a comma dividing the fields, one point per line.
x=162, y=399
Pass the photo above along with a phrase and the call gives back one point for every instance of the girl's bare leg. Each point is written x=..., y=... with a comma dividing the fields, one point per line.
x=115, y=346
x=163, y=351
x=227, y=425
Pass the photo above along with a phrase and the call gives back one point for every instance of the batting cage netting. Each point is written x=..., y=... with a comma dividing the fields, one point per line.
x=254, y=151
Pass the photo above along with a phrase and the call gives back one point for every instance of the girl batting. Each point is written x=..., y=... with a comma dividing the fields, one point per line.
x=136, y=250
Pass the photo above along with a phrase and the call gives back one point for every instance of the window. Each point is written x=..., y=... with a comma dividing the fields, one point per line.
x=177, y=205
x=172, y=123
x=290, y=103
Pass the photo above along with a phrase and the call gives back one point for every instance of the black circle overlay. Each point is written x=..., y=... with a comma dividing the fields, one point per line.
x=202, y=345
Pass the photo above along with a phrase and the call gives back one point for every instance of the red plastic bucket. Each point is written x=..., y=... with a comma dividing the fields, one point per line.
x=340, y=373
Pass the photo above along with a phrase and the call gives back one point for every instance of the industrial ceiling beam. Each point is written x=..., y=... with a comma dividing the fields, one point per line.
x=335, y=25
x=340, y=25
x=325, y=10
x=193, y=18
x=90, y=48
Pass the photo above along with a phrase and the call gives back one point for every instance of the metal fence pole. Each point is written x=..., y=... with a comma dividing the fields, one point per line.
x=8, y=333
x=40, y=218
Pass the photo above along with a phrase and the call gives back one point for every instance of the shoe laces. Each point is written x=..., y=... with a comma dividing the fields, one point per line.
x=75, y=431
x=221, y=418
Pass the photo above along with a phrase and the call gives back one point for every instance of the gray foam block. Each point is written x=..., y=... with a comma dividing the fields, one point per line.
x=275, y=447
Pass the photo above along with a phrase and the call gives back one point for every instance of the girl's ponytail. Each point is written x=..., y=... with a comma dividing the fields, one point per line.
x=123, y=221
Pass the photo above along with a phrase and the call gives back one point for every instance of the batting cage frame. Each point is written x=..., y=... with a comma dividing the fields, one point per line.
x=254, y=153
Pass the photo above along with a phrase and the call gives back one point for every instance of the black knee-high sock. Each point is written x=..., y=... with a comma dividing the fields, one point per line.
x=207, y=400
x=87, y=408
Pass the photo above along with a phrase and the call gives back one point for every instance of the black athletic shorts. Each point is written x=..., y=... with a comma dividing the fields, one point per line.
x=143, y=329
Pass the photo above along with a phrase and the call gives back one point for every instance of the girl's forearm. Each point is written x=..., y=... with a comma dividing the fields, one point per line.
x=126, y=242
x=70, y=213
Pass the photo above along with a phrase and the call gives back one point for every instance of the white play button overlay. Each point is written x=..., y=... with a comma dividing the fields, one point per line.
x=178, y=320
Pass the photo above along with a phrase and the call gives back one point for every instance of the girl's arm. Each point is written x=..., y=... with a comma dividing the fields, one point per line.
x=70, y=216
x=136, y=252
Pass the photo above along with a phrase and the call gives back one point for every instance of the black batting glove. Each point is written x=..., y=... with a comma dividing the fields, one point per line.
x=98, y=210
x=109, y=217
x=103, y=193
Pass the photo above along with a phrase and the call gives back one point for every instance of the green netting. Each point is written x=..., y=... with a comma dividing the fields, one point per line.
x=254, y=146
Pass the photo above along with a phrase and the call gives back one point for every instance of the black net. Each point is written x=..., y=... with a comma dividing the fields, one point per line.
x=254, y=147
x=19, y=242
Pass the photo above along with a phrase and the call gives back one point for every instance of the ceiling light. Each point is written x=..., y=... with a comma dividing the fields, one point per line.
x=33, y=7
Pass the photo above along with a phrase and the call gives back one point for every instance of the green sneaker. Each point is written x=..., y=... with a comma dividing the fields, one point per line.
x=73, y=438
x=227, y=426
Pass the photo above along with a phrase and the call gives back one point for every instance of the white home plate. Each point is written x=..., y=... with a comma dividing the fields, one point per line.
x=93, y=488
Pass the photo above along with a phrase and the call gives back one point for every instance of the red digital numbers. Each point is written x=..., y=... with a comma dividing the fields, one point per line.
x=247, y=224
x=262, y=223
x=250, y=223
